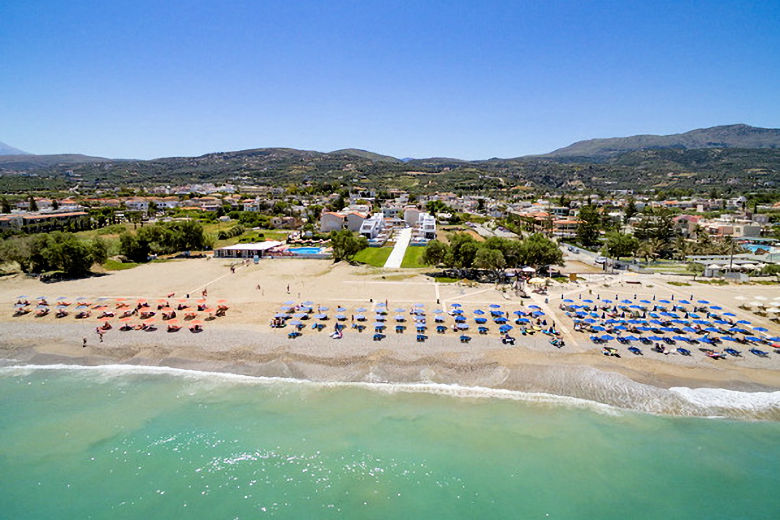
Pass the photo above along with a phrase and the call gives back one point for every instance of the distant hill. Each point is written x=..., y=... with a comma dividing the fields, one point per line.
x=364, y=154
x=10, y=150
x=727, y=136
x=735, y=158
x=32, y=162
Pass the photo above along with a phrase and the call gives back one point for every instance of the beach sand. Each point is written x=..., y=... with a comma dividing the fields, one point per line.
x=243, y=342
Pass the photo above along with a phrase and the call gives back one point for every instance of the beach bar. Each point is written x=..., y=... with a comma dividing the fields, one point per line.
x=249, y=250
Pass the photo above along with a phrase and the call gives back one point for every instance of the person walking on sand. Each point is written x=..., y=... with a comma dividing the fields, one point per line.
x=84, y=343
x=288, y=288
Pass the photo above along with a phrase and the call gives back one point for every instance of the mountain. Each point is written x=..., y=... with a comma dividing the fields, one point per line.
x=364, y=154
x=27, y=161
x=10, y=150
x=727, y=136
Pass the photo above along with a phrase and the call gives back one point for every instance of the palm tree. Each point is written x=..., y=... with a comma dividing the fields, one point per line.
x=650, y=249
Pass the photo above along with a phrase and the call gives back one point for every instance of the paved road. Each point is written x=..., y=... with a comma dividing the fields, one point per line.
x=402, y=239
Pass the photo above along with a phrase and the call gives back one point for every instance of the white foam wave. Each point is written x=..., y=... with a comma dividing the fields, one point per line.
x=704, y=402
x=451, y=390
x=729, y=399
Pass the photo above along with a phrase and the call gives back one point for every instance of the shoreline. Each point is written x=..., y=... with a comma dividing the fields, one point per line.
x=644, y=385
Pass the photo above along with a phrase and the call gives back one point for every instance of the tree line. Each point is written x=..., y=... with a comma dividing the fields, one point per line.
x=494, y=254
x=54, y=252
x=163, y=238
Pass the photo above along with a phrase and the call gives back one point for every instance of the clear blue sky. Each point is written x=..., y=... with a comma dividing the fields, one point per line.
x=472, y=80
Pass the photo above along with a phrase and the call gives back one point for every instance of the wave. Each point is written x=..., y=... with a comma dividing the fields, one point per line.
x=601, y=392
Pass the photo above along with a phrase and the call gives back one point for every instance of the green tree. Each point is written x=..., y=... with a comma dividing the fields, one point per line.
x=540, y=251
x=435, y=253
x=463, y=249
x=346, y=245
x=32, y=204
x=630, y=210
x=5, y=207
x=491, y=260
x=695, y=268
x=55, y=205
x=589, y=228
x=621, y=244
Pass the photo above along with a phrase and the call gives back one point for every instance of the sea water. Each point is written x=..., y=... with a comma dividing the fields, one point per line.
x=135, y=443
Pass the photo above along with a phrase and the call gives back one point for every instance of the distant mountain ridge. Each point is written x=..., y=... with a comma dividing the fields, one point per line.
x=10, y=150
x=726, y=136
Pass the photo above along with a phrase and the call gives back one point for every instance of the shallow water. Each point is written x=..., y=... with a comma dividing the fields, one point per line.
x=131, y=443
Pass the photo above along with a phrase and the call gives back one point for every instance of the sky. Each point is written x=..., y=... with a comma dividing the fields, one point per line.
x=466, y=79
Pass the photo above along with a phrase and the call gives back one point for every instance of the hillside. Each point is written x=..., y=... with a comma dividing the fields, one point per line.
x=724, y=169
x=728, y=136
x=10, y=150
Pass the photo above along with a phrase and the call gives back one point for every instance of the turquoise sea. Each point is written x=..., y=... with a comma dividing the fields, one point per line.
x=126, y=443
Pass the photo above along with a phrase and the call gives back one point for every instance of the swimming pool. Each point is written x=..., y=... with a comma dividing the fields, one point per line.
x=756, y=247
x=305, y=250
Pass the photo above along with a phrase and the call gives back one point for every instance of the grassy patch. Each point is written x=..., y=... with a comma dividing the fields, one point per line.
x=713, y=282
x=446, y=279
x=679, y=284
x=376, y=256
x=413, y=257
x=116, y=265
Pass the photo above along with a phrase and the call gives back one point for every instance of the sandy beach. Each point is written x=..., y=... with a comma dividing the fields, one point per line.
x=244, y=343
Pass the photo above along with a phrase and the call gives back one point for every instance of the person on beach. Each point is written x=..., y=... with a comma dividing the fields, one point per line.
x=288, y=288
x=84, y=343
x=205, y=292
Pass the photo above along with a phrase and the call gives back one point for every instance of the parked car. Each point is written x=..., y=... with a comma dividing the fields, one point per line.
x=600, y=259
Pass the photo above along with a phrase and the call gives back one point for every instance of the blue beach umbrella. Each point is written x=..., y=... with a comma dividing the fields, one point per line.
x=494, y=306
x=438, y=311
x=689, y=329
x=648, y=302
x=479, y=312
x=607, y=337
x=716, y=307
x=308, y=302
x=607, y=301
x=705, y=302
x=588, y=301
x=664, y=301
x=399, y=317
x=534, y=307
x=361, y=309
x=744, y=322
x=341, y=317
x=752, y=338
x=567, y=300
x=630, y=338
x=451, y=305
x=505, y=328
x=341, y=309
x=360, y=317
x=655, y=338
x=598, y=328
x=522, y=320
x=729, y=314
x=761, y=329
x=626, y=301
x=463, y=326
x=480, y=320
x=686, y=302
x=321, y=316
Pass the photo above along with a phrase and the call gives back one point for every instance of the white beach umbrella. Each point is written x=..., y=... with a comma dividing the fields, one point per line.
x=740, y=298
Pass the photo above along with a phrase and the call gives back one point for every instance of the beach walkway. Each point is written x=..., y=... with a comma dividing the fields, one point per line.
x=401, y=243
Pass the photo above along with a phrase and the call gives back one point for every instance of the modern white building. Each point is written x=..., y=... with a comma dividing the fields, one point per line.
x=372, y=226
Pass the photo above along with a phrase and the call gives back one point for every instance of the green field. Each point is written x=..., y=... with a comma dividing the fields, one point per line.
x=376, y=256
x=413, y=257
x=115, y=265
